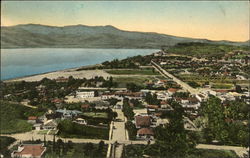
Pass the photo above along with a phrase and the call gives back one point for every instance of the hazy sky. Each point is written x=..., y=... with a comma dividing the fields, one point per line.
x=221, y=20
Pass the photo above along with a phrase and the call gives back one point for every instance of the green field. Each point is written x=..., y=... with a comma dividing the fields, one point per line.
x=77, y=150
x=13, y=118
x=141, y=150
x=96, y=114
x=139, y=80
x=132, y=72
x=216, y=82
x=68, y=129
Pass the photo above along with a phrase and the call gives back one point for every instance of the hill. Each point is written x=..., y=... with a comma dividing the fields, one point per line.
x=13, y=117
x=82, y=36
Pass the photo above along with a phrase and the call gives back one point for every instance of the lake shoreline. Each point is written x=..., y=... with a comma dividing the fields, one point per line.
x=74, y=69
x=27, y=64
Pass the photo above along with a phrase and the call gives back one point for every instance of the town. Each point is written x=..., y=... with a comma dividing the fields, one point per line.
x=161, y=104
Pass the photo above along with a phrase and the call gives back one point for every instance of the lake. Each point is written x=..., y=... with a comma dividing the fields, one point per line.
x=29, y=61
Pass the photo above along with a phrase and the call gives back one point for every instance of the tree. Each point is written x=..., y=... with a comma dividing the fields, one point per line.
x=173, y=140
x=238, y=89
x=213, y=110
x=128, y=110
x=59, y=145
x=95, y=93
x=152, y=99
x=133, y=87
x=88, y=149
x=101, y=147
x=131, y=130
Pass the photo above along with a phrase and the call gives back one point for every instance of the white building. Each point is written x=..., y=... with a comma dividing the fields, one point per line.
x=85, y=94
x=80, y=121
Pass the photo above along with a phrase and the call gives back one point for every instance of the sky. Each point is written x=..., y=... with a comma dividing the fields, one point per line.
x=214, y=20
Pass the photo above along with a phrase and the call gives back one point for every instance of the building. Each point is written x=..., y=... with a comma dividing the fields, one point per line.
x=37, y=126
x=107, y=96
x=142, y=121
x=85, y=94
x=32, y=119
x=145, y=133
x=152, y=108
x=171, y=91
x=50, y=124
x=29, y=151
x=67, y=114
x=80, y=121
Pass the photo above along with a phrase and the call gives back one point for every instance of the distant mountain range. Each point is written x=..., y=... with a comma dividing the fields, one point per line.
x=81, y=36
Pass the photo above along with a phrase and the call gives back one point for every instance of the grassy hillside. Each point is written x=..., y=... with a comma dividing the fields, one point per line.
x=14, y=117
x=81, y=36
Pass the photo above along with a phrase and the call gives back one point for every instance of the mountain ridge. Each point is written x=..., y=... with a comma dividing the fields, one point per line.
x=84, y=36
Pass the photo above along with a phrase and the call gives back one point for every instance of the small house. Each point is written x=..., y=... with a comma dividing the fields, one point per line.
x=145, y=133
x=29, y=150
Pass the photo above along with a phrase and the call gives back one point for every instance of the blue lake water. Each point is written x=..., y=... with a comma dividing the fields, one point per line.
x=30, y=61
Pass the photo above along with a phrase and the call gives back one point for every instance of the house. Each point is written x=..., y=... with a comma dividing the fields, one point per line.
x=37, y=126
x=107, y=96
x=145, y=133
x=152, y=108
x=29, y=151
x=142, y=121
x=32, y=119
x=163, y=96
x=50, y=124
x=171, y=91
x=57, y=102
x=67, y=114
x=85, y=94
x=101, y=104
x=80, y=121
x=165, y=106
x=190, y=102
x=160, y=83
x=161, y=122
x=130, y=95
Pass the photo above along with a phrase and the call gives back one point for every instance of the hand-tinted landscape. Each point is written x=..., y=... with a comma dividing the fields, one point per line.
x=125, y=79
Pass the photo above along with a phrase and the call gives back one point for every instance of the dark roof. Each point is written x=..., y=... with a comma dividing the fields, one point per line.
x=145, y=131
x=142, y=120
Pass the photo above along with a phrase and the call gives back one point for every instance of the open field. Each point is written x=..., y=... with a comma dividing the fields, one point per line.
x=139, y=80
x=132, y=72
x=96, y=114
x=216, y=82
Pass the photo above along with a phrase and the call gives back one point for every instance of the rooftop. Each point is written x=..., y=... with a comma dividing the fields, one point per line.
x=142, y=120
x=33, y=150
x=145, y=131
